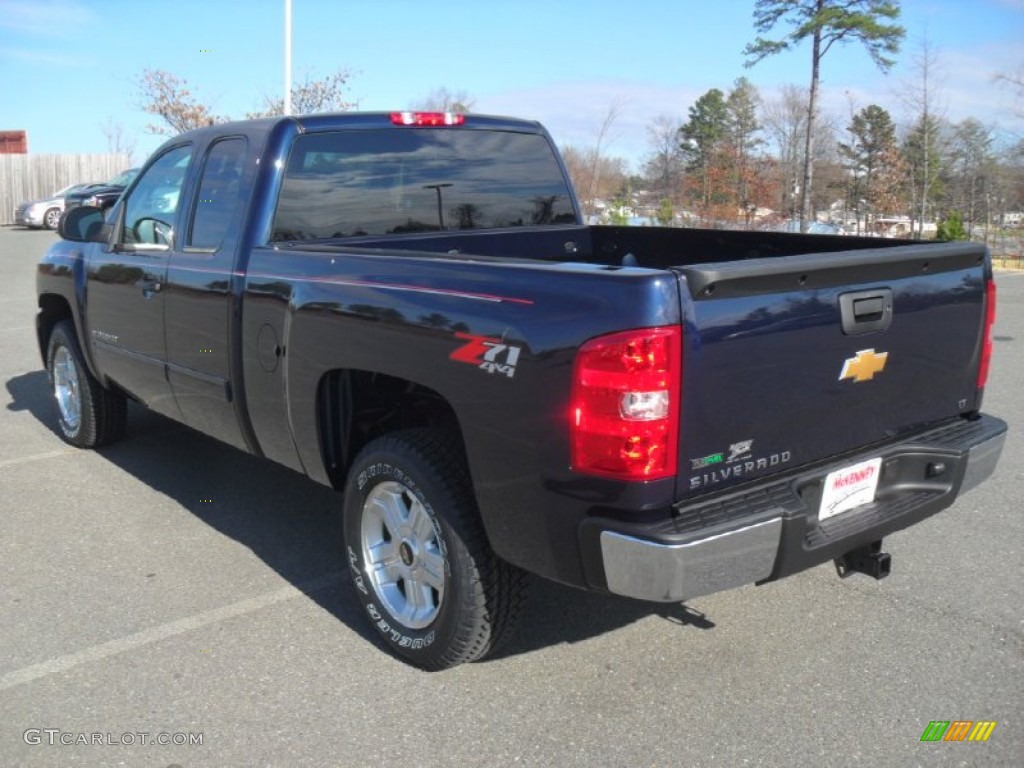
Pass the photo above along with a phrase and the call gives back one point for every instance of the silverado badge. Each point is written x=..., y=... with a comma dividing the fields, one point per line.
x=864, y=366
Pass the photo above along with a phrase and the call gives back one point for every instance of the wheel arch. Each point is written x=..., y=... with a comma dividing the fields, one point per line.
x=357, y=406
x=52, y=309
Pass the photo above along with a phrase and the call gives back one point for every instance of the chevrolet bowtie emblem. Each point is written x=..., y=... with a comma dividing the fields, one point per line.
x=864, y=366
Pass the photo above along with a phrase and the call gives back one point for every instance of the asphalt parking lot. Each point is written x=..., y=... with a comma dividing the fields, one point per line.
x=169, y=586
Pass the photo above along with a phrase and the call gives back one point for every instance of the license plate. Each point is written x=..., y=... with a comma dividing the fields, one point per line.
x=849, y=488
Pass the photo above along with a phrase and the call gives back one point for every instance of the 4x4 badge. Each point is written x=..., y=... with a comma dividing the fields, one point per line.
x=487, y=353
x=864, y=366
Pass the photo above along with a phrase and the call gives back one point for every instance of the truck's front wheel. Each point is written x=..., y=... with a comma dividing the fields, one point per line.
x=422, y=567
x=89, y=415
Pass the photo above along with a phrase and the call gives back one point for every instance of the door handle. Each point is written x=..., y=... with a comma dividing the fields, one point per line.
x=149, y=285
x=866, y=311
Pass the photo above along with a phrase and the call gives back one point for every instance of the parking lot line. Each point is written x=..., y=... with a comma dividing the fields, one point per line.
x=163, y=631
x=36, y=457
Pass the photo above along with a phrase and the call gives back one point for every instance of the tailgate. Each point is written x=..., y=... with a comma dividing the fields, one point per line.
x=789, y=361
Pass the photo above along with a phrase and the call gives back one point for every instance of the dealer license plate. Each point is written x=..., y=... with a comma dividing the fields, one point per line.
x=849, y=488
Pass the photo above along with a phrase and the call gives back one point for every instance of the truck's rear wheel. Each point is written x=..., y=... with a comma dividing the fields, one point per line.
x=421, y=564
x=88, y=414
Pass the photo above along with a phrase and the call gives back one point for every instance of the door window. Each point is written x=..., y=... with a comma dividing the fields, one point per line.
x=152, y=206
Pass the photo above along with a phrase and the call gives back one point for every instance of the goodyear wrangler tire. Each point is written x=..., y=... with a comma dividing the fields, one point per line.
x=423, y=570
x=88, y=415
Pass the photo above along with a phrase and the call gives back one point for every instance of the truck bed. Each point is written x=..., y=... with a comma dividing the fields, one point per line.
x=765, y=335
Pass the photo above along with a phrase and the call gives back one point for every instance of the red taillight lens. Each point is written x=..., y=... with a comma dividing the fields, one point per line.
x=427, y=118
x=986, y=339
x=625, y=404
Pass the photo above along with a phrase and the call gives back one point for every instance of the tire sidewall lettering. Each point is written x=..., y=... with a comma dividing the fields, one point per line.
x=394, y=634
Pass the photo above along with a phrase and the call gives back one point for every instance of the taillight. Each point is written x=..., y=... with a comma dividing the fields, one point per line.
x=427, y=118
x=986, y=339
x=625, y=404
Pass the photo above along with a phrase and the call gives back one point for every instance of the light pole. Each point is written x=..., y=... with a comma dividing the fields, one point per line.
x=440, y=210
x=287, y=57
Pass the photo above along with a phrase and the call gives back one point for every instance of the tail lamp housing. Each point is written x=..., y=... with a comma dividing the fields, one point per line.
x=626, y=394
x=986, y=339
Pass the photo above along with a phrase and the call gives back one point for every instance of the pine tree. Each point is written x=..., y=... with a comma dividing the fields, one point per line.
x=874, y=161
x=825, y=23
x=702, y=144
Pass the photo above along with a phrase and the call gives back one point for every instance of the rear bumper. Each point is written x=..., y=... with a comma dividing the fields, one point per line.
x=771, y=530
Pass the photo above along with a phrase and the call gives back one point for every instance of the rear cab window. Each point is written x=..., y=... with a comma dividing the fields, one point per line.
x=378, y=182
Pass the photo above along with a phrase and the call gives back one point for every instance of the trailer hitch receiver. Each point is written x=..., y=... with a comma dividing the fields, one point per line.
x=869, y=559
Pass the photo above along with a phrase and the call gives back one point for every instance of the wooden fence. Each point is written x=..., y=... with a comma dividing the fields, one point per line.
x=34, y=177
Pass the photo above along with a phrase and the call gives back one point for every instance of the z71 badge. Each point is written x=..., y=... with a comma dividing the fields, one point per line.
x=487, y=353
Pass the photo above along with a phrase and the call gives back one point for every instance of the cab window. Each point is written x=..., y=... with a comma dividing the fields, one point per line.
x=219, y=195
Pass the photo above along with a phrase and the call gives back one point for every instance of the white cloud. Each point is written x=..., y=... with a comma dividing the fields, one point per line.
x=41, y=57
x=54, y=18
x=574, y=111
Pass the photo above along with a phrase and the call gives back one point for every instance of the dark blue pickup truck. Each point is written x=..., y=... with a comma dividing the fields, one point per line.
x=407, y=307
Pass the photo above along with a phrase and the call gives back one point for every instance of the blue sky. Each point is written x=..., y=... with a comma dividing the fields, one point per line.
x=68, y=66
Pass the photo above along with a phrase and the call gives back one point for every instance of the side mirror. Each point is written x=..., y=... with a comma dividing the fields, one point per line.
x=82, y=225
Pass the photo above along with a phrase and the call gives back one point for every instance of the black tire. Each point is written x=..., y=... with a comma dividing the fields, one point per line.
x=433, y=623
x=51, y=218
x=89, y=415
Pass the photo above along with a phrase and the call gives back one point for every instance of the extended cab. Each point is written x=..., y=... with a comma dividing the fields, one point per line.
x=407, y=307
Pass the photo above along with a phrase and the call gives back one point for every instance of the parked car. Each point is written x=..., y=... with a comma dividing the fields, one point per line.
x=103, y=195
x=814, y=228
x=45, y=213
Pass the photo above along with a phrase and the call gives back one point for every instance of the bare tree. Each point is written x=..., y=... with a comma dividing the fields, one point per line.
x=1015, y=81
x=784, y=119
x=597, y=176
x=603, y=138
x=117, y=142
x=825, y=22
x=785, y=122
x=169, y=98
x=921, y=147
x=663, y=167
x=312, y=95
x=971, y=169
x=444, y=100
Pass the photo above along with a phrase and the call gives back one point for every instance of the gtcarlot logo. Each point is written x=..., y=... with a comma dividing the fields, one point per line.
x=958, y=730
x=57, y=737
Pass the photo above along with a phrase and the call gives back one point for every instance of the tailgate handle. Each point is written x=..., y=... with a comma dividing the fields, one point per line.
x=866, y=311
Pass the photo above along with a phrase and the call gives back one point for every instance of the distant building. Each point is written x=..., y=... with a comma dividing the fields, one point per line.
x=13, y=143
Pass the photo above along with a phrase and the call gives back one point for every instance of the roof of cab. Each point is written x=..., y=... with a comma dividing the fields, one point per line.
x=339, y=120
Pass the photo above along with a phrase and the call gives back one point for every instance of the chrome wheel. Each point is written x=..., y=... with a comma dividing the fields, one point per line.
x=51, y=218
x=65, y=388
x=403, y=555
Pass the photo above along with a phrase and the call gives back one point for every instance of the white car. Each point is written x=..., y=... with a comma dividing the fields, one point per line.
x=46, y=213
